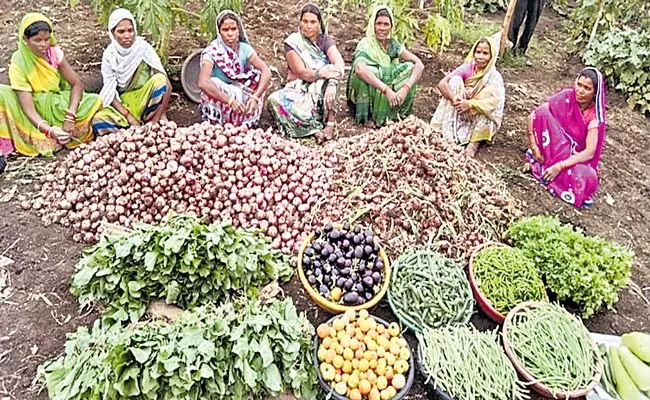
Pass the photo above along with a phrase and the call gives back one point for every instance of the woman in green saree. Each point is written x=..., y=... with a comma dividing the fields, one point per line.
x=307, y=104
x=44, y=108
x=380, y=87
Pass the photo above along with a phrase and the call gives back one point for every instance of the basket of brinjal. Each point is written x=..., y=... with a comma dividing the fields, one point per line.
x=343, y=267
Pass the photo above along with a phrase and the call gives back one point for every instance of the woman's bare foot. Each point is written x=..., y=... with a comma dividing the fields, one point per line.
x=471, y=149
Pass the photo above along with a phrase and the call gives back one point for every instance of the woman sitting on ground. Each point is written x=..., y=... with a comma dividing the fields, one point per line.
x=474, y=96
x=566, y=137
x=45, y=107
x=233, y=78
x=136, y=89
x=380, y=87
x=308, y=102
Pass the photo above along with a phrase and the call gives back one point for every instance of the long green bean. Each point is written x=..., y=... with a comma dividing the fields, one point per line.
x=429, y=290
x=554, y=347
x=469, y=364
x=507, y=277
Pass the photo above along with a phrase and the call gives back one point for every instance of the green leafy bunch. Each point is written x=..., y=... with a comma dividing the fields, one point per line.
x=623, y=55
x=587, y=270
x=486, y=6
x=183, y=261
x=234, y=352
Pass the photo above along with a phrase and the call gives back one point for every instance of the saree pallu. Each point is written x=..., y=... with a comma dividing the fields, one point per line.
x=220, y=113
x=366, y=103
x=560, y=132
x=480, y=126
x=298, y=110
x=142, y=98
x=18, y=133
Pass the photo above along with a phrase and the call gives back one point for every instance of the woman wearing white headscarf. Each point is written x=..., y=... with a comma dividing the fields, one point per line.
x=233, y=78
x=136, y=89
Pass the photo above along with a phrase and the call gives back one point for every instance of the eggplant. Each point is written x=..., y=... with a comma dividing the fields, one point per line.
x=368, y=272
x=332, y=258
x=334, y=235
x=368, y=281
x=317, y=246
x=318, y=272
x=348, y=263
x=354, y=276
x=349, y=254
x=316, y=263
x=328, y=227
x=324, y=290
x=340, y=261
x=359, y=288
x=311, y=279
x=325, y=252
x=369, y=296
x=356, y=239
x=345, y=244
x=357, y=229
x=378, y=265
x=333, y=271
x=358, y=252
x=349, y=236
x=318, y=232
x=345, y=271
x=375, y=247
x=349, y=283
x=328, y=280
x=370, y=239
x=367, y=249
x=306, y=261
x=346, y=226
x=362, y=268
x=309, y=251
x=340, y=282
x=376, y=277
x=350, y=298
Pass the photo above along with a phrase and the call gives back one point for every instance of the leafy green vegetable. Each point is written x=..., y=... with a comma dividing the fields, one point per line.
x=183, y=261
x=234, y=352
x=590, y=271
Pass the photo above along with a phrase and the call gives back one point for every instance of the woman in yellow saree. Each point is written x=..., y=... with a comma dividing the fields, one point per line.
x=474, y=95
x=44, y=108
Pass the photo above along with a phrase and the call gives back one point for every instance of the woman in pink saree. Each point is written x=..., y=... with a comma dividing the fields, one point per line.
x=565, y=139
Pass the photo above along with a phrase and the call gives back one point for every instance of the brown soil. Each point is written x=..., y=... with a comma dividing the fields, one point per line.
x=40, y=310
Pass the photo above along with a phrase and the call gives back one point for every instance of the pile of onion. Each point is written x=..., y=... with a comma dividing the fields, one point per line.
x=252, y=177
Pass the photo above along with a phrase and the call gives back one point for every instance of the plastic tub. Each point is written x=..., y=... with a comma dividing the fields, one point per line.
x=400, y=395
x=429, y=380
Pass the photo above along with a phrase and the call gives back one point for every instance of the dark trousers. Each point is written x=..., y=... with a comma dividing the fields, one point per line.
x=531, y=11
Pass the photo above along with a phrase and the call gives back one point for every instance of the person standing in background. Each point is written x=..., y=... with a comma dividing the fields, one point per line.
x=531, y=10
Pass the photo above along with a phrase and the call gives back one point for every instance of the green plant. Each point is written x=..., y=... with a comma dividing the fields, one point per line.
x=212, y=8
x=623, y=55
x=232, y=351
x=587, y=270
x=183, y=261
x=486, y=6
x=439, y=25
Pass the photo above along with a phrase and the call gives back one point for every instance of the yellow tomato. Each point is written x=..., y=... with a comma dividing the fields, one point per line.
x=341, y=388
x=394, y=349
x=339, y=349
x=326, y=343
x=374, y=394
x=390, y=359
x=338, y=361
x=351, y=314
x=380, y=370
x=338, y=325
x=347, y=366
x=323, y=331
x=354, y=344
x=348, y=354
x=382, y=382
x=353, y=381
x=381, y=352
x=355, y=394
x=363, y=314
x=321, y=353
x=329, y=356
x=363, y=365
x=401, y=366
x=327, y=371
x=336, y=294
x=399, y=381
x=393, y=329
x=364, y=386
x=404, y=353
x=355, y=364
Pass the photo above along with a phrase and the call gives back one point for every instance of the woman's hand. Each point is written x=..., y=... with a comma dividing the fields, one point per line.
x=393, y=98
x=402, y=93
x=238, y=106
x=68, y=127
x=552, y=172
x=462, y=106
x=59, y=135
x=251, y=104
x=330, y=97
x=132, y=121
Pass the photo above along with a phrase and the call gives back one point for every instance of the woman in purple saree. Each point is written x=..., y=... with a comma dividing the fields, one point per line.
x=565, y=139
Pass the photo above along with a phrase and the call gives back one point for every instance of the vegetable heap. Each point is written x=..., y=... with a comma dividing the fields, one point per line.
x=468, y=364
x=343, y=264
x=254, y=178
x=506, y=277
x=428, y=290
x=626, y=369
x=589, y=271
x=183, y=261
x=229, y=352
x=361, y=358
x=416, y=188
x=554, y=347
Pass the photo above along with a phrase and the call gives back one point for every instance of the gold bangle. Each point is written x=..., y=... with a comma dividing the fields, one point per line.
x=230, y=101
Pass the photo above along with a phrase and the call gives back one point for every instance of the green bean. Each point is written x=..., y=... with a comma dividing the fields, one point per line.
x=429, y=290
x=507, y=277
x=554, y=347
x=468, y=364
